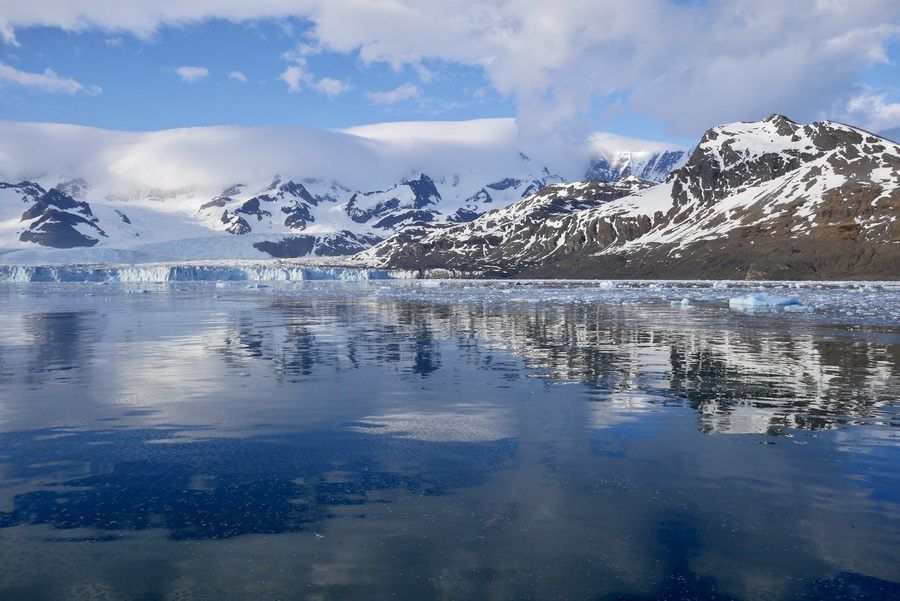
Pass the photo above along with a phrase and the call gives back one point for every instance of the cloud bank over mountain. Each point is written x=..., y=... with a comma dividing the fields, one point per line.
x=205, y=160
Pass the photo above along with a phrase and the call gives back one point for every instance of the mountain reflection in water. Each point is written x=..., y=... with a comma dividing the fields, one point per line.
x=457, y=440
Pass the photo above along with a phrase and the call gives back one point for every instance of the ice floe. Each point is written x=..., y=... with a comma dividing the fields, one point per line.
x=761, y=300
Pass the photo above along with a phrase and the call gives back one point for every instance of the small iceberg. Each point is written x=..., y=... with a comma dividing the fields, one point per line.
x=763, y=300
x=798, y=309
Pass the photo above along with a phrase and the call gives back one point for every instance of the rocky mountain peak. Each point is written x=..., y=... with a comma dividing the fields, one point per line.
x=54, y=220
x=650, y=165
x=736, y=156
x=29, y=191
x=765, y=200
x=782, y=125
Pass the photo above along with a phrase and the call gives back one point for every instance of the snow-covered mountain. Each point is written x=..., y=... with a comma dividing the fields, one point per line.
x=770, y=199
x=502, y=239
x=614, y=157
x=76, y=194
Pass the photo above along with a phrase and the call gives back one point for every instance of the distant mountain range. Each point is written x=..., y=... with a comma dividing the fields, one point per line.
x=765, y=200
x=85, y=195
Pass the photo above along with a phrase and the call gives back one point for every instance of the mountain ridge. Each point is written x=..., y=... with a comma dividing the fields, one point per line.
x=760, y=200
x=771, y=199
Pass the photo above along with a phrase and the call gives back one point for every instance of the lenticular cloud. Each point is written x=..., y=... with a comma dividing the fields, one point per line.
x=205, y=160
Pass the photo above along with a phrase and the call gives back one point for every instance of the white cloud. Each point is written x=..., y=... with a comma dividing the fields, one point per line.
x=142, y=19
x=238, y=76
x=297, y=76
x=874, y=111
x=48, y=81
x=407, y=91
x=192, y=74
x=331, y=87
x=424, y=73
x=689, y=65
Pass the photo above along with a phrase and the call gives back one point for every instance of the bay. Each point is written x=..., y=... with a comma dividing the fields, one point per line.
x=449, y=440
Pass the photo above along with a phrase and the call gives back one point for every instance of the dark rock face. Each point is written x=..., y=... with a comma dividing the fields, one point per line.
x=217, y=202
x=331, y=245
x=55, y=218
x=464, y=214
x=344, y=243
x=56, y=229
x=505, y=184
x=501, y=239
x=297, y=190
x=394, y=206
x=425, y=192
x=393, y=221
x=59, y=200
x=480, y=198
x=297, y=216
x=30, y=191
x=252, y=207
x=235, y=224
x=295, y=246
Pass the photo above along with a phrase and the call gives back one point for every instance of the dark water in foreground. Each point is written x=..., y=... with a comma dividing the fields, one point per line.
x=465, y=441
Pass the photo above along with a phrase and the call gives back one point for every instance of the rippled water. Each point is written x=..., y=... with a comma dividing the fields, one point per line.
x=449, y=440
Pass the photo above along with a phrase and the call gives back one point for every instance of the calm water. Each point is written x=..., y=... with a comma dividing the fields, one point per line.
x=425, y=440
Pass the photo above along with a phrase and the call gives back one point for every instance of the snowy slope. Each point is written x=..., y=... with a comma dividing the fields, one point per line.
x=778, y=178
x=502, y=239
x=765, y=199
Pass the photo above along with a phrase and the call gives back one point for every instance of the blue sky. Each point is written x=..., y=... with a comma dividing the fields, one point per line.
x=218, y=72
x=652, y=69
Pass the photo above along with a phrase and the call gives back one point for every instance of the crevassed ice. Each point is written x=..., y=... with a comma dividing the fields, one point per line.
x=182, y=273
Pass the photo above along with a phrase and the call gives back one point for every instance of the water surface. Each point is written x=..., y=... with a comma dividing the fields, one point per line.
x=448, y=440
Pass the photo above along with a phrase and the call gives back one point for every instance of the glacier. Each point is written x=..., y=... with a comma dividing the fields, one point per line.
x=200, y=272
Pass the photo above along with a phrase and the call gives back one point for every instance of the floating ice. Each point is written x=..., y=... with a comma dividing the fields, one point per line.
x=798, y=309
x=762, y=300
